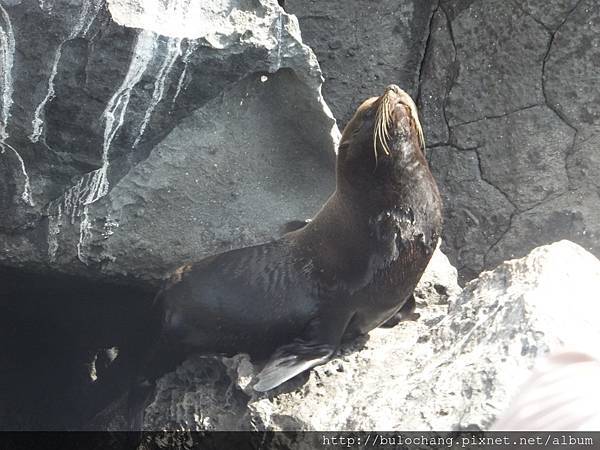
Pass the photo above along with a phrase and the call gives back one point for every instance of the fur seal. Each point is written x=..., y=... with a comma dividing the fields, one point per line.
x=350, y=269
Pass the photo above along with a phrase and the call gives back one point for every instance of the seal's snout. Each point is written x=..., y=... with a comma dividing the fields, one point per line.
x=397, y=96
x=396, y=110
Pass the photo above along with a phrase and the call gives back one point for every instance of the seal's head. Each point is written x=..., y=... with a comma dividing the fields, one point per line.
x=383, y=138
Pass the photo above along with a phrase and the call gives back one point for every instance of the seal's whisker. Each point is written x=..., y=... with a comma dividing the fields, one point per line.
x=381, y=132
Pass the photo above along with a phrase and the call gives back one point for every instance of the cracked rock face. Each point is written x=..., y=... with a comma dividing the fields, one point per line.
x=483, y=214
x=532, y=168
x=454, y=368
x=134, y=136
x=513, y=83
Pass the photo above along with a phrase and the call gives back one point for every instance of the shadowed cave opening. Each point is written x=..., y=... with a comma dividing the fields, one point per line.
x=56, y=332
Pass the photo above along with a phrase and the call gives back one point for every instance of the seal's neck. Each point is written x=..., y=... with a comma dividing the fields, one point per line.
x=393, y=182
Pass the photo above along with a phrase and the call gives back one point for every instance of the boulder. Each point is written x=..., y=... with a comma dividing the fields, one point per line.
x=136, y=135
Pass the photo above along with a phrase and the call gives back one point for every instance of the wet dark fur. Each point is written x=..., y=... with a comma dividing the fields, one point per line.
x=344, y=273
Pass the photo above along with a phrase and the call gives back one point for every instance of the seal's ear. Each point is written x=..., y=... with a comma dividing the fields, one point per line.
x=290, y=360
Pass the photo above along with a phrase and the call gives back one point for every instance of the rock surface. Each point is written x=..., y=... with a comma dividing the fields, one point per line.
x=125, y=135
x=456, y=367
x=363, y=46
x=513, y=83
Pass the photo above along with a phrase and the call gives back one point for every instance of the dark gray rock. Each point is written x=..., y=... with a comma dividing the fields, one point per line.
x=574, y=215
x=522, y=154
x=500, y=52
x=514, y=81
x=363, y=46
x=437, y=76
x=476, y=214
x=551, y=13
x=125, y=128
x=571, y=70
x=583, y=163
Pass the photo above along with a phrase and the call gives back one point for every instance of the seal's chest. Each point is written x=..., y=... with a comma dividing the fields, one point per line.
x=395, y=235
x=396, y=267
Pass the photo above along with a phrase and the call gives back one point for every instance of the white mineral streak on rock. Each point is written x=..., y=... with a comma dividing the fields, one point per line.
x=173, y=52
x=26, y=195
x=110, y=225
x=84, y=227
x=89, y=11
x=279, y=37
x=54, y=224
x=191, y=48
x=94, y=185
x=7, y=52
x=70, y=201
x=114, y=114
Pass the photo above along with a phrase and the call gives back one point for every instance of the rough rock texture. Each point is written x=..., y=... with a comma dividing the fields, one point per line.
x=479, y=212
x=363, y=46
x=135, y=129
x=515, y=84
x=199, y=190
x=456, y=367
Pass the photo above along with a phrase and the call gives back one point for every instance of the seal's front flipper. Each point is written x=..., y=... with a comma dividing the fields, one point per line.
x=315, y=346
x=407, y=312
x=290, y=360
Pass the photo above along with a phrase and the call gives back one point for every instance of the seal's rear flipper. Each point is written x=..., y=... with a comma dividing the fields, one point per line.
x=290, y=360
